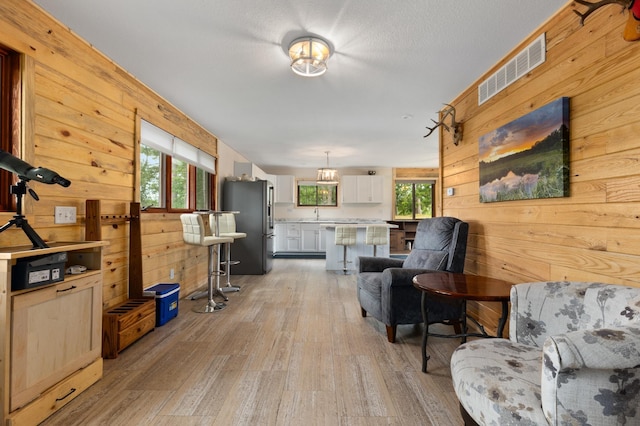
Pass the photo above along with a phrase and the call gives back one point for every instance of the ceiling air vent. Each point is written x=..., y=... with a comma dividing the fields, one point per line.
x=532, y=56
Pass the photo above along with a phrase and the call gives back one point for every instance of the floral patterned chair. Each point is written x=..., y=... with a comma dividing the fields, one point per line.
x=572, y=358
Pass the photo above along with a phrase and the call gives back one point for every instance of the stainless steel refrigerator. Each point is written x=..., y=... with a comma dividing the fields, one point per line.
x=254, y=203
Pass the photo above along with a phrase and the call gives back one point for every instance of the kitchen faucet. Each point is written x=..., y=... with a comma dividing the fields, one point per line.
x=317, y=212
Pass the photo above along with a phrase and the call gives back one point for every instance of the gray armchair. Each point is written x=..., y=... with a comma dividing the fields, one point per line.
x=385, y=286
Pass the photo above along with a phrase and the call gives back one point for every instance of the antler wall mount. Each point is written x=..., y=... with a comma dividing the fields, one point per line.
x=455, y=127
x=632, y=29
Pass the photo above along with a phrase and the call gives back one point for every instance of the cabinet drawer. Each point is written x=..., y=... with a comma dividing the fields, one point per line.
x=57, y=396
x=293, y=230
x=135, y=311
x=136, y=330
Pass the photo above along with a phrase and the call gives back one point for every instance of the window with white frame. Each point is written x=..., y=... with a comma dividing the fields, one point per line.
x=174, y=175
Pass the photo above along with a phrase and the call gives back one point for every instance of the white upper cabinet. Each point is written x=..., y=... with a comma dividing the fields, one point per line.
x=285, y=189
x=362, y=189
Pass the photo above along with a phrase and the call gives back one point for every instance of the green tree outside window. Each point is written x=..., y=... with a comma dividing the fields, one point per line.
x=179, y=184
x=151, y=194
x=414, y=200
x=317, y=195
x=154, y=180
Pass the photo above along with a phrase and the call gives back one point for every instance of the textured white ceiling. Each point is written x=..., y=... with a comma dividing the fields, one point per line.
x=224, y=64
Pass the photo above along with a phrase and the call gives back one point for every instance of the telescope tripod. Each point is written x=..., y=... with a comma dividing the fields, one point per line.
x=19, y=220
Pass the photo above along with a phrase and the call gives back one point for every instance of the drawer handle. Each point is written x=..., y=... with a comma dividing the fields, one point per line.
x=67, y=395
x=66, y=289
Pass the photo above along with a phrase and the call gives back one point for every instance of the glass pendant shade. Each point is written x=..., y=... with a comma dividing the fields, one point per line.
x=327, y=176
x=309, y=56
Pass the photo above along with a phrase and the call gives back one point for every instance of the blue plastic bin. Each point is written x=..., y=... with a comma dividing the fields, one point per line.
x=166, y=296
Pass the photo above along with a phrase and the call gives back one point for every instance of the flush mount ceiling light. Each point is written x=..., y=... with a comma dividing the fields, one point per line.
x=309, y=56
x=327, y=176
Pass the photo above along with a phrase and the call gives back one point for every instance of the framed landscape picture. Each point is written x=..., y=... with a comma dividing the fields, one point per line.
x=528, y=157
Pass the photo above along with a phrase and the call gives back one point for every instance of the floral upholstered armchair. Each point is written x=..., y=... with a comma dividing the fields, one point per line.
x=572, y=358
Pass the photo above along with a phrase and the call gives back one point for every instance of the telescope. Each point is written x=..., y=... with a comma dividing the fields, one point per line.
x=25, y=173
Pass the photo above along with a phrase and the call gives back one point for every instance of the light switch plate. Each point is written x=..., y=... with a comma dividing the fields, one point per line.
x=65, y=214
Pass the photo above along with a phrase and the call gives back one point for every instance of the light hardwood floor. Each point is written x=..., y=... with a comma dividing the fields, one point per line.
x=291, y=348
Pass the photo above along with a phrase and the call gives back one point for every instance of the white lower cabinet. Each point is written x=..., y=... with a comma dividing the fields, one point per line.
x=323, y=239
x=288, y=237
x=310, y=236
x=300, y=237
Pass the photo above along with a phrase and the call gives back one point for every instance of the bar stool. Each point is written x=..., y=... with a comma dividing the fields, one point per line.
x=227, y=228
x=376, y=235
x=196, y=231
x=345, y=236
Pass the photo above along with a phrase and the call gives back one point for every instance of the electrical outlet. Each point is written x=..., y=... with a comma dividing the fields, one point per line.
x=65, y=214
x=172, y=274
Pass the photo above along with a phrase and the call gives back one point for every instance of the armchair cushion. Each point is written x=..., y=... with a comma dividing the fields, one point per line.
x=498, y=382
x=559, y=366
x=584, y=374
x=540, y=309
x=611, y=306
x=426, y=259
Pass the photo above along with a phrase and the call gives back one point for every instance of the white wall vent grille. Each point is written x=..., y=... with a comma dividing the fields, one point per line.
x=532, y=56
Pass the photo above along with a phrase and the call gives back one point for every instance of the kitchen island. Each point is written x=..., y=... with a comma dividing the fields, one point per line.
x=334, y=253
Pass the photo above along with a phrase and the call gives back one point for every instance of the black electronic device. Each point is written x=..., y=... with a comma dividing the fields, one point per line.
x=37, y=271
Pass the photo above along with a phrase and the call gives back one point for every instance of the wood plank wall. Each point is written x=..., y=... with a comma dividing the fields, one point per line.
x=81, y=112
x=593, y=235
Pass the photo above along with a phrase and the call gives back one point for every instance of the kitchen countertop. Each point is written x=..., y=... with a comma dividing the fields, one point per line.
x=358, y=225
x=345, y=221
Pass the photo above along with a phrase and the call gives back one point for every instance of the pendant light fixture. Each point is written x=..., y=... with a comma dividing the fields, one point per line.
x=327, y=176
x=309, y=56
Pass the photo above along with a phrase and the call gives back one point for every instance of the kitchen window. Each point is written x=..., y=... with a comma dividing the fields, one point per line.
x=414, y=200
x=9, y=120
x=312, y=194
x=174, y=176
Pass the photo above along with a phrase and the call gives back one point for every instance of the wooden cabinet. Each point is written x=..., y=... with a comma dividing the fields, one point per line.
x=362, y=189
x=54, y=332
x=285, y=189
x=51, y=345
x=403, y=236
x=396, y=240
